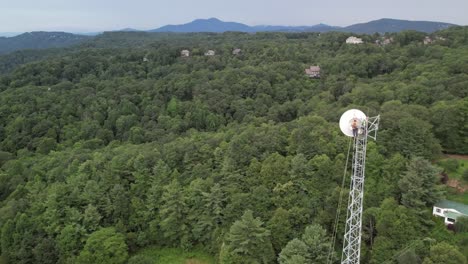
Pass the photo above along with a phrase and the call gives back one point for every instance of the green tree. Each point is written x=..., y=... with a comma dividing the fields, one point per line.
x=247, y=242
x=91, y=218
x=313, y=247
x=408, y=257
x=173, y=107
x=7, y=240
x=419, y=185
x=281, y=229
x=295, y=252
x=173, y=215
x=209, y=217
x=396, y=226
x=69, y=241
x=45, y=251
x=104, y=246
x=45, y=145
x=408, y=135
x=449, y=120
x=137, y=135
x=461, y=225
x=318, y=243
x=4, y=157
x=444, y=253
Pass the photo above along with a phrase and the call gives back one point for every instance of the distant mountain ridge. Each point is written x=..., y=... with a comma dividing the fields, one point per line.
x=381, y=26
x=39, y=40
x=44, y=40
x=395, y=25
x=218, y=26
x=204, y=25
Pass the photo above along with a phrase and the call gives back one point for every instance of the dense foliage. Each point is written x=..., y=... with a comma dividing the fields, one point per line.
x=106, y=150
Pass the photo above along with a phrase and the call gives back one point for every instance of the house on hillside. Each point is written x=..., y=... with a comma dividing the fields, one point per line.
x=210, y=53
x=450, y=211
x=384, y=41
x=354, y=40
x=313, y=72
x=236, y=52
x=185, y=53
x=427, y=40
x=440, y=39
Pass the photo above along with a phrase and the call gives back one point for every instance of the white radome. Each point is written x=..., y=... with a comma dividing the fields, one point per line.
x=348, y=117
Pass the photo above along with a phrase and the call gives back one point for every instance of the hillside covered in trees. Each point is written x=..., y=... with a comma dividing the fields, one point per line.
x=120, y=144
x=39, y=40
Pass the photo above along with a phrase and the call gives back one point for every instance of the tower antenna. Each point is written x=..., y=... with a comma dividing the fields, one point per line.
x=354, y=123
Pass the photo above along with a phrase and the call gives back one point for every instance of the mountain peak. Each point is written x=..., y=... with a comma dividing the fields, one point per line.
x=205, y=25
x=212, y=19
x=381, y=25
x=39, y=40
x=396, y=25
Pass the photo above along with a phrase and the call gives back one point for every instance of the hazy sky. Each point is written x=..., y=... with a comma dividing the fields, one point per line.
x=98, y=15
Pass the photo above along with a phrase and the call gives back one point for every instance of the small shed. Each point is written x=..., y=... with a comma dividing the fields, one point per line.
x=313, y=72
x=185, y=53
x=236, y=52
x=210, y=53
x=450, y=211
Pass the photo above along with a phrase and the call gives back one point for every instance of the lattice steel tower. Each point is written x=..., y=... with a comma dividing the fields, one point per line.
x=356, y=124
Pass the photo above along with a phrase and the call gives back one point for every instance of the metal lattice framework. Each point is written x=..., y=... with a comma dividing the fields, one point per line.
x=352, y=238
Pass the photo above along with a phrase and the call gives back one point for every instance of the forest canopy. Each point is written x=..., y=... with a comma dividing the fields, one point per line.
x=120, y=143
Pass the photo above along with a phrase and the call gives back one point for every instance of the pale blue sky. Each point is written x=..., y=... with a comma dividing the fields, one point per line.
x=99, y=15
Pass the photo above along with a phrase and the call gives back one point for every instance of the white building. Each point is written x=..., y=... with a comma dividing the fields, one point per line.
x=210, y=53
x=427, y=40
x=236, y=51
x=450, y=211
x=354, y=40
x=185, y=53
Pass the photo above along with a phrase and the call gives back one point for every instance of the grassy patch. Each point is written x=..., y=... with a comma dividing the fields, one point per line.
x=454, y=167
x=175, y=256
x=453, y=195
x=463, y=165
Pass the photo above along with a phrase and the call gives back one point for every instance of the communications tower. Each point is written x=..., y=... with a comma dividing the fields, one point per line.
x=354, y=123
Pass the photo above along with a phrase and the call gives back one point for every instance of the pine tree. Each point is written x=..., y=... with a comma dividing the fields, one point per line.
x=247, y=242
x=419, y=188
x=418, y=185
x=173, y=214
x=295, y=252
x=211, y=215
x=315, y=237
x=281, y=229
x=313, y=247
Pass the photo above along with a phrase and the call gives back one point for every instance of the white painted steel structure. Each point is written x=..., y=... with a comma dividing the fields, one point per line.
x=367, y=128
